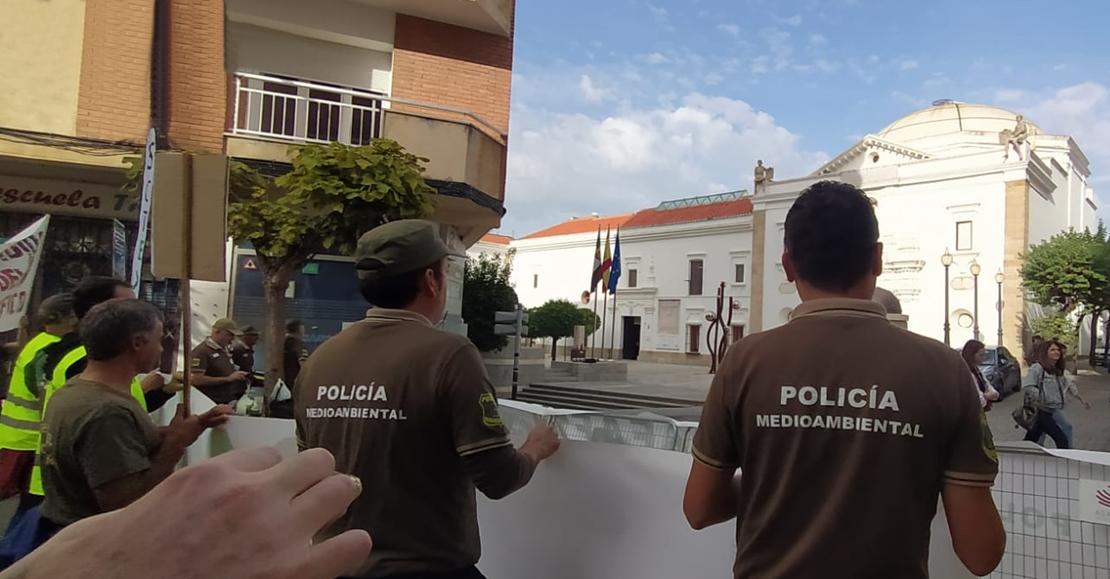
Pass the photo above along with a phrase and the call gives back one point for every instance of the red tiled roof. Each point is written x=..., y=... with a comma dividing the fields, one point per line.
x=582, y=225
x=496, y=239
x=649, y=217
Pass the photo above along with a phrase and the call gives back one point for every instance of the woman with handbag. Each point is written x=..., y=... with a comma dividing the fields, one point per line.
x=1045, y=389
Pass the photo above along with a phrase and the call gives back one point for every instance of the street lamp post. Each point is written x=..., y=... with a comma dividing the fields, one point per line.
x=999, y=278
x=975, y=271
x=946, y=260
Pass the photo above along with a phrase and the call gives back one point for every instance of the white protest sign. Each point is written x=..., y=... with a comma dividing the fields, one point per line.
x=19, y=260
x=144, y=210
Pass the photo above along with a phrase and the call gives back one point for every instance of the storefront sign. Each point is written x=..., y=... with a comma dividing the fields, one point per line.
x=66, y=198
x=1094, y=501
x=19, y=258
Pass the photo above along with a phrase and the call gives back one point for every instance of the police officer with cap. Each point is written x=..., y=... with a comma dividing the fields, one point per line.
x=408, y=408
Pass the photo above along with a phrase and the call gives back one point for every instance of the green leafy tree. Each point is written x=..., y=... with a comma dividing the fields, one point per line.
x=333, y=195
x=555, y=319
x=587, y=318
x=487, y=290
x=1070, y=272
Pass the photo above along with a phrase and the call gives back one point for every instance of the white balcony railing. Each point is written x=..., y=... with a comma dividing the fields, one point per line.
x=294, y=110
x=306, y=112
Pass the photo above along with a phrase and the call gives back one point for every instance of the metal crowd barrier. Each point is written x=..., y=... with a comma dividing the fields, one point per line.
x=1037, y=492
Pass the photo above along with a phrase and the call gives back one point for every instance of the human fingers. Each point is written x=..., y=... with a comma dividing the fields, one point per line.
x=337, y=556
x=325, y=501
x=255, y=459
x=304, y=470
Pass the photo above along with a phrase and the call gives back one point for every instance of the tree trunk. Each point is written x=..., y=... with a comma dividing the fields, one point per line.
x=554, y=348
x=274, y=285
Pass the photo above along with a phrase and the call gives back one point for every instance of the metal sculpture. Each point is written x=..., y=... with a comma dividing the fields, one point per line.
x=717, y=335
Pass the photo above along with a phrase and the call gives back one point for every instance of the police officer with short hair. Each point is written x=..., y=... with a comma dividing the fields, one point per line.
x=408, y=408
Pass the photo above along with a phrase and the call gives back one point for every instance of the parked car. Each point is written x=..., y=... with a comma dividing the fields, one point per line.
x=1002, y=370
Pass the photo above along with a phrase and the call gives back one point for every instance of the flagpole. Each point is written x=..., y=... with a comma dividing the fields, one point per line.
x=604, y=308
x=613, y=329
x=593, y=322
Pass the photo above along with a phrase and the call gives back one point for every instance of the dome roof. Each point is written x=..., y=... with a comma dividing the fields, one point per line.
x=948, y=117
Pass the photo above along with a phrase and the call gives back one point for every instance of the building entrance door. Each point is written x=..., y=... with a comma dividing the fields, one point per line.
x=630, y=338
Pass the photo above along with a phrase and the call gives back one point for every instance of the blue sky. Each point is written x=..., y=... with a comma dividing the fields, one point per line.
x=620, y=104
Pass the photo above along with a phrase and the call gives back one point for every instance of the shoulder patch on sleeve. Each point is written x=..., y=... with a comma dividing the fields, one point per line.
x=988, y=438
x=491, y=417
x=196, y=362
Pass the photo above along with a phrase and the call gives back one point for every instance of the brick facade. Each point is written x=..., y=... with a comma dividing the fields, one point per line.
x=198, y=83
x=113, y=101
x=454, y=67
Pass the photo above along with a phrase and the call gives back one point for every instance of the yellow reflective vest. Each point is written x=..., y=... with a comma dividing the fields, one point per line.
x=21, y=415
x=57, y=380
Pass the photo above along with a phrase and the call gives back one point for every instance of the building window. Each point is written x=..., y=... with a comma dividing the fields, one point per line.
x=739, y=273
x=963, y=236
x=535, y=280
x=694, y=345
x=633, y=278
x=696, y=268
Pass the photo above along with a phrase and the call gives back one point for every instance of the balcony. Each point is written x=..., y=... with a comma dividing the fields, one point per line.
x=466, y=154
x=492, y=16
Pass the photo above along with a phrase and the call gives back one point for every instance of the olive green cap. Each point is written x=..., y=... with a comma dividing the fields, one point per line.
x=397, y=248
x=228, y=325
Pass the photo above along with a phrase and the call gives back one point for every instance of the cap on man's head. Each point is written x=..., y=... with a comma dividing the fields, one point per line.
x=250, y=331
x=56, y=308
x=228, y=325
x=397, y=248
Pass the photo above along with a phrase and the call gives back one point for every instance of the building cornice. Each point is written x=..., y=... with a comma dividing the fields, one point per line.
x=638, y=234
x=861, y=146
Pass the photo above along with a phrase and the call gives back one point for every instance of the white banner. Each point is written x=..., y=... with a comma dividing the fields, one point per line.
x=144, y=210
x=19, y=259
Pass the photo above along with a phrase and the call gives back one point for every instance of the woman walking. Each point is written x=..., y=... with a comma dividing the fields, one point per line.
x=1045, y=386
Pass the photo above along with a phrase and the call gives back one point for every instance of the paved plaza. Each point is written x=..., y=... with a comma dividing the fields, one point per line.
x=1092, y=427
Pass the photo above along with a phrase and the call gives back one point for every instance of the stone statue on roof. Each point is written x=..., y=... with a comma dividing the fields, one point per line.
x=763, y=175
x=1015, y=138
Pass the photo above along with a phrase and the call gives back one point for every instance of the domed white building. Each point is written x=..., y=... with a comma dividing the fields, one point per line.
x=975, y=181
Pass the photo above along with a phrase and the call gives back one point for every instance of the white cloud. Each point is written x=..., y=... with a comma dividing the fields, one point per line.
x=573, y=164
x=795, y=20
x=730, y=28
x=818, y=39
x=759, y=64
x=1009, y=95
x=908, y=65
x=660, y=14
x=591, y=92
x=826, y=66
x=655, y=58
x=713, y=79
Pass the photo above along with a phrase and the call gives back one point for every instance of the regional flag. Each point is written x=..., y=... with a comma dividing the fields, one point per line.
x=606, y=263
x=596, y=278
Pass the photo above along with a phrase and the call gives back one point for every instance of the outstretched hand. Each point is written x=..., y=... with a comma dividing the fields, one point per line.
x=245, y=514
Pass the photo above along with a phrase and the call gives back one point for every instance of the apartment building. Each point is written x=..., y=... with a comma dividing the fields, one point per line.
x=85, y=80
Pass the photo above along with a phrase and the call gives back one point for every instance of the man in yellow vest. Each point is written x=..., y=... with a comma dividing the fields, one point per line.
x=66, y=358
x=22, y=409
